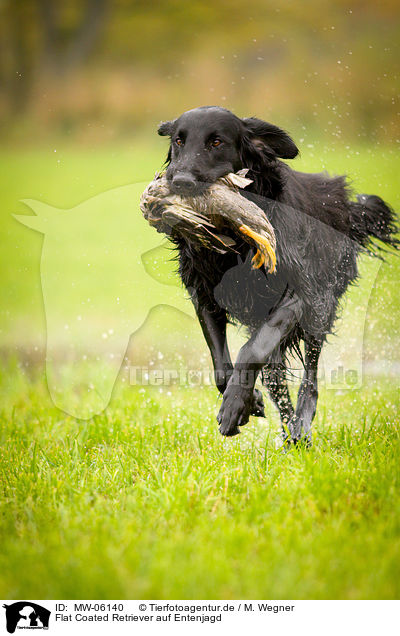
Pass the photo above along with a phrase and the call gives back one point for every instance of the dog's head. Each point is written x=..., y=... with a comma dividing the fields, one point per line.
x=209, y=142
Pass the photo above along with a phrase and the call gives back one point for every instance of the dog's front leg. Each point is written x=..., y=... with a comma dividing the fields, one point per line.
x=237, y=400
x=213, y=325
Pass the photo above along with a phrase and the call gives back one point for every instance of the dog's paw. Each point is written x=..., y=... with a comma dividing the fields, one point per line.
x=257, y=407
x=234, y=411
x=298, y=436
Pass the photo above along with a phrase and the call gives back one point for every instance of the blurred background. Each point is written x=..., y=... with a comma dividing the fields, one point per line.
x=99, y=70
x=84, y=85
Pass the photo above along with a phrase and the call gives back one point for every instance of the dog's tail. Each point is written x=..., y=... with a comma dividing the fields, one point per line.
x=370, y=219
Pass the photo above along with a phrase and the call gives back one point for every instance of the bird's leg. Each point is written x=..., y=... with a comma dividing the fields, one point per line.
x=265, y=251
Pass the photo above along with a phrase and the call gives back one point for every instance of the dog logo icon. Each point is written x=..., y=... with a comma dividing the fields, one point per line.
x=100, y=282
x=26, y=615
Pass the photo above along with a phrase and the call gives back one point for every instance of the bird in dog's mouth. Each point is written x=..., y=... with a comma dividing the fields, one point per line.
x=203, y=217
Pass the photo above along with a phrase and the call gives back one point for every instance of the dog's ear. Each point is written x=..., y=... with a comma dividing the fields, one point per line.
x=165, y=129
x=262, y=134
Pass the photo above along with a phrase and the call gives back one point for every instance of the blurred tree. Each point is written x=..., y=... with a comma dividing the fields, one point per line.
x=68, y=42
x=44, y=36
x=18, y=74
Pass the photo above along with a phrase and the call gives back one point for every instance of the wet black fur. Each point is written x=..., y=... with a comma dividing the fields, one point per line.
x=319, y=231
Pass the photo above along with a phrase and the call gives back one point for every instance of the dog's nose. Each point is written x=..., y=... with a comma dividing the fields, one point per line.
x=183, y=184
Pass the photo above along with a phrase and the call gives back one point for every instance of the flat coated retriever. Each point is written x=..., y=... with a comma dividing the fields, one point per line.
x=319, y=231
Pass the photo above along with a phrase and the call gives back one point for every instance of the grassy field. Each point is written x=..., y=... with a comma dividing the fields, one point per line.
x=146, y=499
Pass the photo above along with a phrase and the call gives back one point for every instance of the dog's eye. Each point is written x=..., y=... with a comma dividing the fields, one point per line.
x=179, y=141
x=216, y=142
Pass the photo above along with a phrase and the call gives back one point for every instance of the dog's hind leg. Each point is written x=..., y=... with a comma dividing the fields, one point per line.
x=274, y=379
x=300, y=423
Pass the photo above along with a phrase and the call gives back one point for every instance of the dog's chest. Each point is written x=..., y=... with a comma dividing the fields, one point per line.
x=247, y=295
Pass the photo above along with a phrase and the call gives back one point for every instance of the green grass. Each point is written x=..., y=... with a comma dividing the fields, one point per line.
x=147, y=499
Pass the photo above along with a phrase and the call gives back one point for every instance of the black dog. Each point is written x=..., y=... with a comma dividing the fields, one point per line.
x=319, y=233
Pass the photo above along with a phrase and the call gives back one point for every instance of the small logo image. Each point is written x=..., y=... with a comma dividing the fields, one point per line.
x=26, y=615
